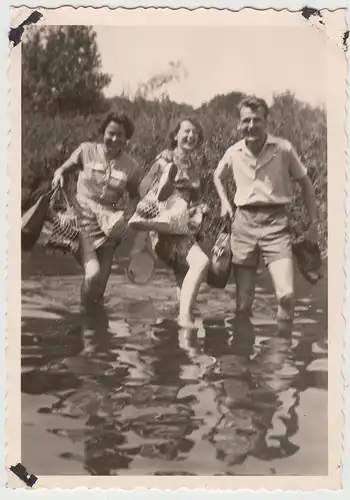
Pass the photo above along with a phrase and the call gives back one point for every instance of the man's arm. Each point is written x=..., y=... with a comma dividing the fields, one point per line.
x=311, y=207
x=309, y=198
x=218, y=178
x=299, y=172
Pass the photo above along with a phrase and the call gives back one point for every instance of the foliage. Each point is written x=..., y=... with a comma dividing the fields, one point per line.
x=47, y=142
x=306, y=128
x=61, y=70
x=63, y=106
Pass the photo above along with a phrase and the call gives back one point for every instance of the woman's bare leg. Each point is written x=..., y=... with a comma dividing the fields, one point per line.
x=179, y=277
x=198, y=266
x=97, y=267
x=90, y=262
x=105, y=257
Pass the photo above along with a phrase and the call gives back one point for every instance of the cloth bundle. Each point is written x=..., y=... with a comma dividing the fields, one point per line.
x=170, y=216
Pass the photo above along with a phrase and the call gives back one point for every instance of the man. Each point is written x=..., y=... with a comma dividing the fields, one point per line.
x=263, y=167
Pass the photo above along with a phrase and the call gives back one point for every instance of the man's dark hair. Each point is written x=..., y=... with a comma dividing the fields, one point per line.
x=253, y=103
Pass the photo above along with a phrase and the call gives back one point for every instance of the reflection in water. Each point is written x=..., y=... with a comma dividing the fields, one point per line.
x=152, y=398
x=250, y=391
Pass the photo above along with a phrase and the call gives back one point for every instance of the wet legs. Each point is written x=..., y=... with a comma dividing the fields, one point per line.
x=188, y=285
x=281, y=272
x=97, y=267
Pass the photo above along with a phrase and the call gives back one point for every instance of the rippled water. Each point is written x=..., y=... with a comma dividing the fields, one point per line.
x=131, y=393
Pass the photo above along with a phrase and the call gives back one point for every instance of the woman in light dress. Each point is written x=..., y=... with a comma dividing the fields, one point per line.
x=176, y=172
x=106, y=173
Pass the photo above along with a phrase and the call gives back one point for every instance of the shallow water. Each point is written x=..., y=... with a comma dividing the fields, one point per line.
x=129, y=393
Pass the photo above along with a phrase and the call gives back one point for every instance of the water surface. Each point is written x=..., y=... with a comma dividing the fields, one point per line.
x=129, y=393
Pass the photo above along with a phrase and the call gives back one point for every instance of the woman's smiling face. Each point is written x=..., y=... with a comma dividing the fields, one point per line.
x=187, y=136
x=114, y=137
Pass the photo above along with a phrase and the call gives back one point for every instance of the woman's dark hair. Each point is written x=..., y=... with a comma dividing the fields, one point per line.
x=120, y=118
x=172, y=142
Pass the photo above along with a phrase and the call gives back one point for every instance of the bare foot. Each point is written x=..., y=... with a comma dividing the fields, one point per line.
x=186, y=322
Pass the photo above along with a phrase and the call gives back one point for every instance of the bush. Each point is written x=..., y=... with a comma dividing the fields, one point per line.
x=48, y=141
x=73, y=82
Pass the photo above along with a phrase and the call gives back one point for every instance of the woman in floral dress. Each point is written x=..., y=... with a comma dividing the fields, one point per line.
x=106, y=172
x=176, y=172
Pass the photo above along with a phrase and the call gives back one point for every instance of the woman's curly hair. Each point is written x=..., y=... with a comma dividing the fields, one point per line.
x=120, y=118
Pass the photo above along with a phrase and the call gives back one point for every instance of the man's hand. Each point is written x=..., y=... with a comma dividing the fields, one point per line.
x=312, y=233
x=226, y=209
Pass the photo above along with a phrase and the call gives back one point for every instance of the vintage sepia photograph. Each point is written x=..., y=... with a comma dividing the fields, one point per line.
x=174, y=263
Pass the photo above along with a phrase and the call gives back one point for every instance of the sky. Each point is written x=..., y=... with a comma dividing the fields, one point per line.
x=217, y=60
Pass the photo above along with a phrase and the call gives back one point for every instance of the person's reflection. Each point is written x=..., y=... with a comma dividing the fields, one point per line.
x=188, y=342
x=100, y=398
x=96, y=329
x=274, y=376
x=104, y=453
x=165, y=355
x=284, y=328
x=229, y=376
x=162, y=418
x=42, y=353
x=245, y=398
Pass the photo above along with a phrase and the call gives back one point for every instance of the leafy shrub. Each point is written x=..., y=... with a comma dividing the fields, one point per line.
x=47, y=141
x=72, y=81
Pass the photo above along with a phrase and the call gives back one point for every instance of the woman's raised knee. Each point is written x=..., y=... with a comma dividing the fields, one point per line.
x=201, y=262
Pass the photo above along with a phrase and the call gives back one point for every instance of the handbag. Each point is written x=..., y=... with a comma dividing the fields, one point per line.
x=221, y=258
x=32, y=222
x=308, y=259
x=170, y=216
x=61, y=230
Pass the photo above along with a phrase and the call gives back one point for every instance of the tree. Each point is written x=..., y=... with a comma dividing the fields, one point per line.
x=61, y=70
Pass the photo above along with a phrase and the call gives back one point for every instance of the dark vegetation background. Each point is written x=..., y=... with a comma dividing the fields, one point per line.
x=63, y=105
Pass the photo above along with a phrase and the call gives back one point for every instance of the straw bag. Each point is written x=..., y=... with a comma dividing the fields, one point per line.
x=61, y=230
x=221, y=259
x=32, y=222
x=170, y=216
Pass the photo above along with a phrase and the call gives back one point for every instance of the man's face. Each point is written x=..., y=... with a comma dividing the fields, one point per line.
x=253, y=124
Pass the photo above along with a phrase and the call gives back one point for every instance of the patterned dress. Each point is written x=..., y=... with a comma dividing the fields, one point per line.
x=101, y=191
x=173, y=249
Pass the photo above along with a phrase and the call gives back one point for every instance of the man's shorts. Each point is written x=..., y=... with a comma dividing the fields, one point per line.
x=260, y=231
